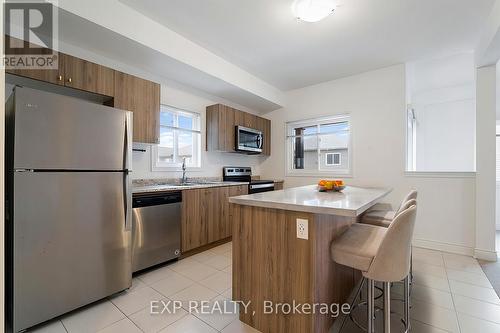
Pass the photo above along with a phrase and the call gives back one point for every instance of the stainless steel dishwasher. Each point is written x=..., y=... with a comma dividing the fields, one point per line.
x=156, y=229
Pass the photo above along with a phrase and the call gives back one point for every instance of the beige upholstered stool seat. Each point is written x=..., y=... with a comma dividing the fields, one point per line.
x=358, y=246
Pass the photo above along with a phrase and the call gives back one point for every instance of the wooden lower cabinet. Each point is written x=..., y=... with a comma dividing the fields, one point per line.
x=206, y=215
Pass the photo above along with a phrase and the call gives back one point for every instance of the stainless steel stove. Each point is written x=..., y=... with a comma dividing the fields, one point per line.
x=244, y=174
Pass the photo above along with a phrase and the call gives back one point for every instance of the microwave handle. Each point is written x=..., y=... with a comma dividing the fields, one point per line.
x=259, y=141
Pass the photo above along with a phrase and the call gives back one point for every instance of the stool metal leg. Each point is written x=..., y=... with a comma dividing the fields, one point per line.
x=387, y=307
x=370, y=307
x=358, y=293
x=407, y=303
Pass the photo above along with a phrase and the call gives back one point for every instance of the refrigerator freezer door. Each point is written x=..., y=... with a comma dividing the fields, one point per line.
x=59, y=132
x=71, y=245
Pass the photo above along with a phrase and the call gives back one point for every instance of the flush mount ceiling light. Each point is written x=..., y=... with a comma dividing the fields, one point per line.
x=312, y=10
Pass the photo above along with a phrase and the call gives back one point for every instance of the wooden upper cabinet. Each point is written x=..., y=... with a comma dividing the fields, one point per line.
x=221, y=120
x=85, y=75
x=142, y=97
x=54, y=76
x=221, y=123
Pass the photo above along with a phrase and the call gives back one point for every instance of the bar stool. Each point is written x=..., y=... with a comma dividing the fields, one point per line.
x=381, y=254
x=383, y=218
x=386, y=223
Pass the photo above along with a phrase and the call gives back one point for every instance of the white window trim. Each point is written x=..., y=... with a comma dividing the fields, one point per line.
x=290, y=172
x=156, y=166
x=333, y=159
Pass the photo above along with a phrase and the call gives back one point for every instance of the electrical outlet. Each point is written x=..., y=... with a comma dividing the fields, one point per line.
x=302, y=229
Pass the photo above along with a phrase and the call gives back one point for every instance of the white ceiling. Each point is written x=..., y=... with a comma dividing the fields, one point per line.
x=85, y=35
x=262, y=37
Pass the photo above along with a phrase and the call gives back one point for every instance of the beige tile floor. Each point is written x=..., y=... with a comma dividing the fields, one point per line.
x=450, y=294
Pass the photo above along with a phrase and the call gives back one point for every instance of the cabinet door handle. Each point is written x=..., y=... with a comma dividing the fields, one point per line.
x=70, y=80
x=59, y=78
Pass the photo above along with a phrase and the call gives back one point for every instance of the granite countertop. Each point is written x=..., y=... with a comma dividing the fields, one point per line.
x=352, y=201
x=148, y=188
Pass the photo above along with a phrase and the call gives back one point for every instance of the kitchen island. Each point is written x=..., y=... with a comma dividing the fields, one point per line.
x=275, y=270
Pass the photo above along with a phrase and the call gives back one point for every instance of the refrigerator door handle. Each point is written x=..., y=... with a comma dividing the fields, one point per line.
x=127, y=200
x=127, y=166
x=127, y=147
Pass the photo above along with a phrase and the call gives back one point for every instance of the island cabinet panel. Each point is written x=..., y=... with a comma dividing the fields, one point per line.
x=221, y=123
x=142, y=97
x=206, y=215
x=271, y=264
x=85, y=75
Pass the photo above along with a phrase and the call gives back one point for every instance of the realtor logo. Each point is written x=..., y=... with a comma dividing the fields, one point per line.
x=31, y=35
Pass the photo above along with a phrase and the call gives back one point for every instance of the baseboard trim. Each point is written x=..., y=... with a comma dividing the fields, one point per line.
x=445, y=247
x=485, y=255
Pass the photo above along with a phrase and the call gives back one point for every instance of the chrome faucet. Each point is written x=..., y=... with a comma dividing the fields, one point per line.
x=184, y=179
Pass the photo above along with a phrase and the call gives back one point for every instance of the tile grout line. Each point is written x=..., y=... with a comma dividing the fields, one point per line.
x=427, y=324
x=474, y=299
x=452, y=296
x=107, y=300
x=478, y=318
x=64, y=326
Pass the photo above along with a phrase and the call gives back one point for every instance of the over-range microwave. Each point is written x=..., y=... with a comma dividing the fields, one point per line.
x=248, y=140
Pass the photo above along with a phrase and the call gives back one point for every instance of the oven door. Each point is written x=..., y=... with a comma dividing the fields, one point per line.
x=248, y=140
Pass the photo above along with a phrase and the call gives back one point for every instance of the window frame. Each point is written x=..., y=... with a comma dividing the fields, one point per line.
x=333, y=159
x=289, y=127
x=156, y=165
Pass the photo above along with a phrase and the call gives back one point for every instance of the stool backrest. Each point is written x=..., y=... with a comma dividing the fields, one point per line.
x=392, y=261
x=406, y=205
x=412, y=195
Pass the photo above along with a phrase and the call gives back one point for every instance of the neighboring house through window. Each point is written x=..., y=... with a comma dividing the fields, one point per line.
x=180, y=138
x=319, y=146
x=333, y=159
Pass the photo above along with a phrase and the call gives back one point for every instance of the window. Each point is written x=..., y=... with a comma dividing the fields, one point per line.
x=441, y=116
x=333, y=159
x=180, y=138
x=319, y=146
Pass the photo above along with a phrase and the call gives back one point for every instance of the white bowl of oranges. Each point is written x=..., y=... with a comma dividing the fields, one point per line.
x=331, y=185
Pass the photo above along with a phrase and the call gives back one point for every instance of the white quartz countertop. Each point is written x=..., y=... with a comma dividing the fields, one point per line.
x=352, y=201
x=136, y=189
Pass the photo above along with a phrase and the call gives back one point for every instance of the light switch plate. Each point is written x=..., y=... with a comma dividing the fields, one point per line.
x=302, y=229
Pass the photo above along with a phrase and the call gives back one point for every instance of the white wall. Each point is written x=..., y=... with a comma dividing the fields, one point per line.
x=211, y=162
x=497, y=201
x=485, y=175
x=442, y=95
x=376, y=101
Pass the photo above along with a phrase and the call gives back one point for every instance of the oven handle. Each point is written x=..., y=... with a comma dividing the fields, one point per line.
x=259, y=186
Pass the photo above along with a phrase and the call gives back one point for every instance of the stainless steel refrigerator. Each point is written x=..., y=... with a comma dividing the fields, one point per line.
x=69, y=204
